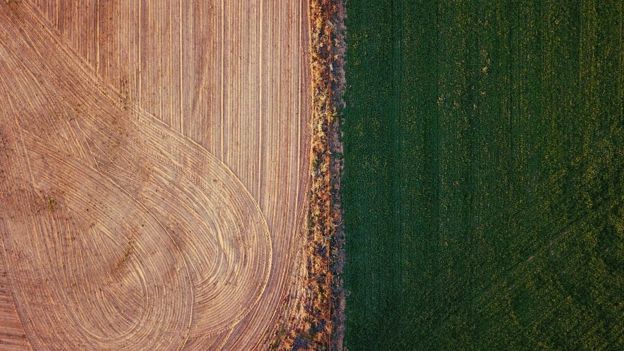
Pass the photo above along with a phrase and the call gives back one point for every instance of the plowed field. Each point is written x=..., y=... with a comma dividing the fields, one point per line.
x=153, y=172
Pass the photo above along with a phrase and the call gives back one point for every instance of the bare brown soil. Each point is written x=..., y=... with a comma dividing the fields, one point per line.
x=154, y=173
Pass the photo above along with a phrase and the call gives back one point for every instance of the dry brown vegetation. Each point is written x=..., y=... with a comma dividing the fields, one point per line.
x=321, y=313
x=154, y=162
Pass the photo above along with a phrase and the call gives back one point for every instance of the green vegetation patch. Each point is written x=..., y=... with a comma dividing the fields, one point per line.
x=484, y=175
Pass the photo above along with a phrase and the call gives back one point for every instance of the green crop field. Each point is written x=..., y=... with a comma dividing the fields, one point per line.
x=484, y=175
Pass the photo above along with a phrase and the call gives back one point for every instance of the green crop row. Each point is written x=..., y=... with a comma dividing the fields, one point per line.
x=484, y=175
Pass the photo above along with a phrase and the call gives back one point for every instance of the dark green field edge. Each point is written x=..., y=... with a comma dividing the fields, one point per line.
x=484, y=175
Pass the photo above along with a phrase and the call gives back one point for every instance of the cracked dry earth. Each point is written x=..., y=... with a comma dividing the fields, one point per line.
x=153, y=172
